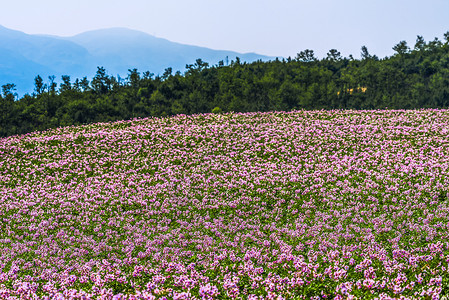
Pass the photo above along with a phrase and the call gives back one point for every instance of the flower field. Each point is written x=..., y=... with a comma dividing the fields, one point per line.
x=297, y=205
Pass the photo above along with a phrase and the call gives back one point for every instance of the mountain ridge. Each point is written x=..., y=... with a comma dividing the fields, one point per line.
x=116, y=49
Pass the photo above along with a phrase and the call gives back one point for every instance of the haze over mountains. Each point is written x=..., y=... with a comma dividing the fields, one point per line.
x=23, y=56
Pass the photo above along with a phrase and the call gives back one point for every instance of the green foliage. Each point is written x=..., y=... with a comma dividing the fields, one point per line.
x=216, y=110
x=410, y=79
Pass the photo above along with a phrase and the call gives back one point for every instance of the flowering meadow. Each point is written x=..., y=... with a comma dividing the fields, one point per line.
x=280, y=205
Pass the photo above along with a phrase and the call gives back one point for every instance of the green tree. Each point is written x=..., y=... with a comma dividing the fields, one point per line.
x=84, y=84
x=334, y=55
x=167, y=73
x=101, y=83
x=6, y=108
x=401, y=48
x=365, y=53
x=52, y=84
x=133, y=78
x=420, y=44
x=306, y=56
x=65, y=85
x=39, y=85
x=8, y=91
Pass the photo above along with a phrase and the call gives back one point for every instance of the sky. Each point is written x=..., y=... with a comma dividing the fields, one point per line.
x=276, y=28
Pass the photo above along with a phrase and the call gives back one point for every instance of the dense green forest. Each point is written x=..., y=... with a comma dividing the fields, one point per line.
x=415, y=77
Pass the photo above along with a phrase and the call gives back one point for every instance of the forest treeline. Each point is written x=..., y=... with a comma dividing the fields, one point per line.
x=414, y=77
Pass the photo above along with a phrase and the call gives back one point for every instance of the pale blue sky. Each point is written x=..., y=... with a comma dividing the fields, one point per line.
x=277, y=28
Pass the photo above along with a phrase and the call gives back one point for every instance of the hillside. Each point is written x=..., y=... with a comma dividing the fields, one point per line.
x=299, y=205
x=412, y=78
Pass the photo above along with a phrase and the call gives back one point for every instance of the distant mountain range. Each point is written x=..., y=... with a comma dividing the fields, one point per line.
x=23, y=56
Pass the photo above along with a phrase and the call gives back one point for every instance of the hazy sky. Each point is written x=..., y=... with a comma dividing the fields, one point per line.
x=277, y=28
